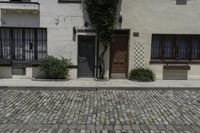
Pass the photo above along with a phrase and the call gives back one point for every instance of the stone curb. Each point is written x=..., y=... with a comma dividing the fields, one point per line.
x=96, y=88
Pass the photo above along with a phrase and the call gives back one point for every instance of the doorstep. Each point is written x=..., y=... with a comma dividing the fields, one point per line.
x=91, y=84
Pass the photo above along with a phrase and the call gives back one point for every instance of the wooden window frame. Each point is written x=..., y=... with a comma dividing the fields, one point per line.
x=176, y=59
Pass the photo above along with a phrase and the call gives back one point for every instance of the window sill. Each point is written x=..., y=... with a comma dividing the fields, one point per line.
x=18, y=63
x=176, y=67
x=7, y=5
x=174, y=62
x=69, y=1
x=16, y=2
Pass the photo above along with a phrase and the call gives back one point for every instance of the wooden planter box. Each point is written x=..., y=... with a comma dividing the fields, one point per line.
x=176, y=67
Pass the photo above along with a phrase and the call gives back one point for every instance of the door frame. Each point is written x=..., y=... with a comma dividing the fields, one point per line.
x=87, y=35
x=123, y=32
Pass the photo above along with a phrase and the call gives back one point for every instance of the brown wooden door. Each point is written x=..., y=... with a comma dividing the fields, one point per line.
x=119, y=55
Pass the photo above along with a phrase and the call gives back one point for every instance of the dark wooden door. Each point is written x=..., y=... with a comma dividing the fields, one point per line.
x=119, y=56
x=86, y=56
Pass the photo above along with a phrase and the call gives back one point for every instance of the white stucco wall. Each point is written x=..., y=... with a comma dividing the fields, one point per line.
x=159, y=16
x=143, y=16
x=59, y=19
x=20, y=18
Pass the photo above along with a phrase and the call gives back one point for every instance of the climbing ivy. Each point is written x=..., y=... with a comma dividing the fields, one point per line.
x=102, y=14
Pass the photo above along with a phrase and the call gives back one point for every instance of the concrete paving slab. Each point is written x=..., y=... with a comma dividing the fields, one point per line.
x=91, y=83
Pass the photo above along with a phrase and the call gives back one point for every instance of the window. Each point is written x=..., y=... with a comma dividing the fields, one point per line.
x=69, y=1
x=181, y=2
x=19, y=71
x=196, y=48
x=23, y=44
x=175, y=47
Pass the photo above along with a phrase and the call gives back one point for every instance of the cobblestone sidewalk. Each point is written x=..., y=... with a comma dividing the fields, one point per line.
x=102, y=111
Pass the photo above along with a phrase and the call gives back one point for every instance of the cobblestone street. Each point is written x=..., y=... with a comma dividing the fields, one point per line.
x=101, y=111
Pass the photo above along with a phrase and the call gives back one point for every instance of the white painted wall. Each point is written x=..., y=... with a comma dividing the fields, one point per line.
x=59, y=19
x=20, y=18
x=143, y=16
x=159, y=16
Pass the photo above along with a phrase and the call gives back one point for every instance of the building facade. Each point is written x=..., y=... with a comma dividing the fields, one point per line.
x=161, y=35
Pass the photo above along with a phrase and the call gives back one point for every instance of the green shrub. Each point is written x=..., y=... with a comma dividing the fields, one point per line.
x=55, y=68
x=142, y=74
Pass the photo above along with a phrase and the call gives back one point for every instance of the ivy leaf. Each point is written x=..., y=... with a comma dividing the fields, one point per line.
x=102, y=17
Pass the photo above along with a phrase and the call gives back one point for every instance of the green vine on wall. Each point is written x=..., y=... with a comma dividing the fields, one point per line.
x=102, y=14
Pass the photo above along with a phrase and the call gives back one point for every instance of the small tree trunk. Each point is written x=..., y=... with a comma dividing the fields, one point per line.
x=102, y=62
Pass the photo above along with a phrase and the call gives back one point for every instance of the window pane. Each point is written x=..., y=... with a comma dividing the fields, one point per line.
x=196, y=48
x=29, y=44
x=1, y=52
x=169, y=47
x=42, y=43
x=183, y=47
x=6, y=44
x=156, y=47
x=18, y=43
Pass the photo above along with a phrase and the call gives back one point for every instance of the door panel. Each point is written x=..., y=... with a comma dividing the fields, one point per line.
x=86, y=56
x=119, y=55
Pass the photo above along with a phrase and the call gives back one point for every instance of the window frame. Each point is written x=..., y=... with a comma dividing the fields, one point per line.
x=27, y=57
x=176, y=60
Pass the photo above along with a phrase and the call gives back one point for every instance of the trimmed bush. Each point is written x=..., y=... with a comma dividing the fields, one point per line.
x=142, y=74
x=55, y=68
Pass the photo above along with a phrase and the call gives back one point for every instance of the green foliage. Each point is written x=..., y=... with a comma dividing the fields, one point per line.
x=55, y=68
x=142, y=74
x=102, y=15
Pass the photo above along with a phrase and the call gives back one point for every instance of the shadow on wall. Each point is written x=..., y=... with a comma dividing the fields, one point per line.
x=85, y=15
x=37, y=73
x=118, y=15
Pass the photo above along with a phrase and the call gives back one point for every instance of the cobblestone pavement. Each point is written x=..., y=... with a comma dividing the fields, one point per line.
x=102, y=111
